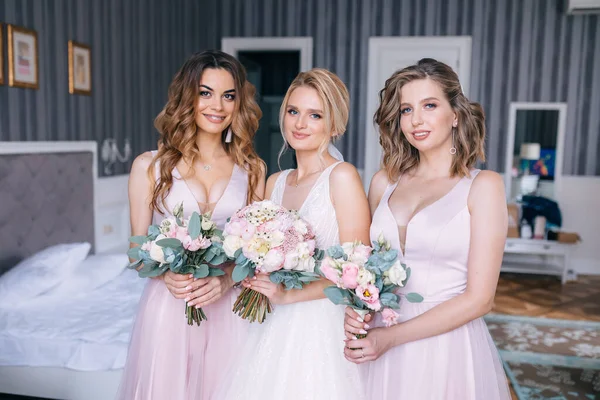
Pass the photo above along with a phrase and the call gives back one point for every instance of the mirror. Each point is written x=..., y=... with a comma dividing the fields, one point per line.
x=534, y=149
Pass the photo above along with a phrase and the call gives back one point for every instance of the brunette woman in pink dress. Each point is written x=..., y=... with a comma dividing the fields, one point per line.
x=206, y=160
x=448, y=222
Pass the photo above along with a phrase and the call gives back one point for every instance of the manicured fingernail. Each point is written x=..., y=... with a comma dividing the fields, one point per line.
x=367, y=326
x=254, y=277
x=187, y=299
x=188, y=287
x=198, y=306
x=354, y=337
x=359, y=319
x=363, y=331
x=191, y=276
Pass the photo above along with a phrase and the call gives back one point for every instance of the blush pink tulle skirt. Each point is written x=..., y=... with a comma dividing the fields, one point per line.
x=462, y=364
x=168, y=359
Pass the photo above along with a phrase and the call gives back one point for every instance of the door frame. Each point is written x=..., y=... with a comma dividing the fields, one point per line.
x=304, y=44
x=379, y=45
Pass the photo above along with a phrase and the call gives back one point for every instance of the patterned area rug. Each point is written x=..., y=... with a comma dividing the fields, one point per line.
x=549, y=358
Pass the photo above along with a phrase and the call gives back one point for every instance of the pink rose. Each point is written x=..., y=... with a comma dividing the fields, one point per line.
x=390, y=317
x=370, y=295
x=248, y=232
x=273, y=261
x=311, y=246
x=235, y=227
x=349, y=275
x=194, y=245
x=330, y=272
x=146, y=246
x=361, y=254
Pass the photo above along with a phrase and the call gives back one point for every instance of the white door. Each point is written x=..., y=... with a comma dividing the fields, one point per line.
x=389, y=54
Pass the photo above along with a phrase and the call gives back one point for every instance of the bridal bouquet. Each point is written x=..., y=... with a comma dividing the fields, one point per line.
x=366, y=278
x=265, y=237
x=185, y=246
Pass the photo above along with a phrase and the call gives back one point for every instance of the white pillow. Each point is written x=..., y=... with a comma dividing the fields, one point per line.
x=93, y=272
x=40, y=272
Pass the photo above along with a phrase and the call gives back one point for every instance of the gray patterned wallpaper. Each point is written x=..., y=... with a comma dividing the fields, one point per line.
x=522, y=51
x=137, y=46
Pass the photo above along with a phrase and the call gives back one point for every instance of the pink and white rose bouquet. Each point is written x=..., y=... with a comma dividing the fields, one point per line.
x=191, y=246
x=264, y=237
x=366, y=278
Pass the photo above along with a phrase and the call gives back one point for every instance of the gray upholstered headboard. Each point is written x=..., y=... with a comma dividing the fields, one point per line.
x=46, y=196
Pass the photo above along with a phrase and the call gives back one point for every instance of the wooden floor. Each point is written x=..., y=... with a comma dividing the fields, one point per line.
x=544, y=296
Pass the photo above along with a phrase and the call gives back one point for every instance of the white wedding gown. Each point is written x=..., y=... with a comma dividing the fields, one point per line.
x=297, y=353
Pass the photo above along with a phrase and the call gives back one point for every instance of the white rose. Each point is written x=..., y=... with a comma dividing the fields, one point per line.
x=291, y=261
x=277, y=238
x=348, y=248
x=306, y=264
x=303, y=250
x=231, y=244
x=300, y=226
x=395, y=275
x=207, y=224
x=365, y=277
x=156, y=253
x=273, y=261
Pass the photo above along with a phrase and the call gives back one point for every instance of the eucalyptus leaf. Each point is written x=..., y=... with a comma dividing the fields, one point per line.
x=135, y=264
x=169, y=243
x=134, y=253
x=138, y=239
x=216, y=272
x=240, y=273
x=201, y=271
x=414, y=297
x=335, y=294
x=194, y=226
x=336, y=251
x=153, y=231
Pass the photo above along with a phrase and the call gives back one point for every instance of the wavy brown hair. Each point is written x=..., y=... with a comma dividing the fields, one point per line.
x=399, y=156
x=176, y=123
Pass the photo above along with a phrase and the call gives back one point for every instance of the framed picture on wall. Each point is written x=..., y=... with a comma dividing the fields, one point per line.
x=22, y=57
x=1, y=56
x=80, y=68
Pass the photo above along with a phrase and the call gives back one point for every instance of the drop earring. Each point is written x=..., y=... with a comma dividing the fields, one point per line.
x=229, y=136
x=453, y=149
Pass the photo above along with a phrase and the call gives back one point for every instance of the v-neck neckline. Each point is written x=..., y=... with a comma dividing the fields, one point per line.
x=310, y=192
x=215, y=203
x=391, y=190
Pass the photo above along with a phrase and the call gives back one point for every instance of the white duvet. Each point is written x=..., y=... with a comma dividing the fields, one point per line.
x=74, y=326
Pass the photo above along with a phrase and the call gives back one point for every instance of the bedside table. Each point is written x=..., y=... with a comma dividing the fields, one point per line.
x=533, y=256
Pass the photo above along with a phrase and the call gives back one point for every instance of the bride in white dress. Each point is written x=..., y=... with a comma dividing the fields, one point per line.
x=297, y=353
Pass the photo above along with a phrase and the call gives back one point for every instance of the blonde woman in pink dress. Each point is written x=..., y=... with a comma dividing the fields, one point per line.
x=448, y=222
x=206, y=161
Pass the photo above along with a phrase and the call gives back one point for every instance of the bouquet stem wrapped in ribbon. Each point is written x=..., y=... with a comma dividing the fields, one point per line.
x=192, y=246
x=264, y=237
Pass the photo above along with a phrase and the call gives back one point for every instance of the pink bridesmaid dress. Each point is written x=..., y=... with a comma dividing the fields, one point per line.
x=462, y=364
x=168, y=359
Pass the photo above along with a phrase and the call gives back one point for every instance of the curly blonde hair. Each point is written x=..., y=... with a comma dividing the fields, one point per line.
x=399, y=156
x=334, y=95
x=176, y=123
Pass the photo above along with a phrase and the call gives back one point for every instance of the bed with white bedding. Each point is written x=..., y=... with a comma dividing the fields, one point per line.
x=65, y=313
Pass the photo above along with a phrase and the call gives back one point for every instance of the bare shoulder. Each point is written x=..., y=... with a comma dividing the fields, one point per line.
x=487, y=186
x=141, y=163
x=379, y=183
x=344, y=173
x=273, y=178
x=271, y=184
